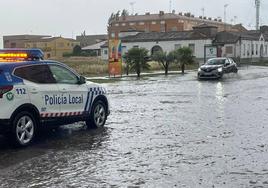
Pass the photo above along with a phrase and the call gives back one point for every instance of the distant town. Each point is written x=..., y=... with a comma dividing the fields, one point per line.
x=156, y=31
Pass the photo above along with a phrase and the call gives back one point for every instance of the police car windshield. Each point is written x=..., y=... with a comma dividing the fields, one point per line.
x=216, y=62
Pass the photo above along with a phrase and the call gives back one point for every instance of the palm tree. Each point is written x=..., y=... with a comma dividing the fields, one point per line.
x=184, y=56
x=137, y=59
x=164, y=59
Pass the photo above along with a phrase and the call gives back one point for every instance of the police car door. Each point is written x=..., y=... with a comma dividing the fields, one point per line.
x=74, y=94
x=41, y=88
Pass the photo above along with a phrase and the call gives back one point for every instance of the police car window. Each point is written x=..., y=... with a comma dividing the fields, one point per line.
x=36, y=73
x=63, y=75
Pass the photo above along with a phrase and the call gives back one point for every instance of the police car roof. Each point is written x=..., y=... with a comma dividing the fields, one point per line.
x=12, y=65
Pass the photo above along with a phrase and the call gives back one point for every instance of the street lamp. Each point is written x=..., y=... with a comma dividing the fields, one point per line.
x=225, y=6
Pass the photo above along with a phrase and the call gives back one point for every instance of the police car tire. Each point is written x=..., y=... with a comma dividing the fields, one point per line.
x=14, y=134
x=91, y=122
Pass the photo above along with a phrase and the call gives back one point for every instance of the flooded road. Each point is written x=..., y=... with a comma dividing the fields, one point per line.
x=170, y=131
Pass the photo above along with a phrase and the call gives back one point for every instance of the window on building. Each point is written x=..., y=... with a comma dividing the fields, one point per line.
x=266, y=50
x=244, y=50
x=13, y=45
x=105, y=52
x=229, y=50
x=61, y=44
x=257, y=49
x=112, y=35
x=123, y=24
x=117, y=24
x=141, y=23
x=162, y=22
x=192, y=47
x=174, y=29
x=153, y=22
x=132, y=23
x=177, y=46
x=162, y=28
x=252, y=49
x=248, y=50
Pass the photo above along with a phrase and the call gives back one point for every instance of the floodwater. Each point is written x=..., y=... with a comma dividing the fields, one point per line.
x=170, y=131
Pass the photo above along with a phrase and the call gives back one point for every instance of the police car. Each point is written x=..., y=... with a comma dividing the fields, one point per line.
x=36, y=93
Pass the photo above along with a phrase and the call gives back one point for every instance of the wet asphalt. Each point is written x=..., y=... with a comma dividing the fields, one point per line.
x=170, y=131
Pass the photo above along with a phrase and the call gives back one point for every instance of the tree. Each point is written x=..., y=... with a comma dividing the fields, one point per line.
x=164, y=59
x=137, y=59
x=184, y=56
x=124, y=13
x=77, y=50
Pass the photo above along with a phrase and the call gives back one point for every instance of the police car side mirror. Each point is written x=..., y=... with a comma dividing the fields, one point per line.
x=82, y=80
x=227, y=64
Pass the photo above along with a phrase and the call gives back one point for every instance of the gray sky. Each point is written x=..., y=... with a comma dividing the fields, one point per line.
x=71, y=17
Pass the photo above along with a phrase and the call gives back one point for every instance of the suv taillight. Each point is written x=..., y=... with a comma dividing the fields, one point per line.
x=5, y=89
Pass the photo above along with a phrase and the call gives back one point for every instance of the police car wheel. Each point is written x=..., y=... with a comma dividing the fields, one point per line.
x=24, y=126
x=98, y=115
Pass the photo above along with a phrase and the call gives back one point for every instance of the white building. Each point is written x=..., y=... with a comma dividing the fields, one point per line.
x=250, y=46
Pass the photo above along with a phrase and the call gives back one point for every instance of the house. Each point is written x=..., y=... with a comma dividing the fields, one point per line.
x=53, y=47
x=97, y=49
x=196, y=39
x=18, y=41
x=88, y=40
x=249, y=46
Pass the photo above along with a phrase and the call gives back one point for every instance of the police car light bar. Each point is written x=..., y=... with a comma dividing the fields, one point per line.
x=21, y=54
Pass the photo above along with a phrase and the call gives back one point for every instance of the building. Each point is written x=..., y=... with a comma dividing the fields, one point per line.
x=18, y=41
x=97, y=49
x=88, y=40
x=53, y=47
x=163, y=22
x=250, y=46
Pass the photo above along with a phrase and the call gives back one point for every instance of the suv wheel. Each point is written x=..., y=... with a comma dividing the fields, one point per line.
x=98, y=115
x=24, y=128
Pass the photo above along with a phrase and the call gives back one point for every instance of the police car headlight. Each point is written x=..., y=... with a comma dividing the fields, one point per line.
x=199, y=70
x=220, y=69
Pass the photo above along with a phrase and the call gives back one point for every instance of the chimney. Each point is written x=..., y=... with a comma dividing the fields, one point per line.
x=161, y=13
x=173, y=11
x=220, y=20
x=192, y=16
x=147, y=13
x=204, y=17
x=215, y=19
x=180, y=13
x=200, y=17
x=209, y=18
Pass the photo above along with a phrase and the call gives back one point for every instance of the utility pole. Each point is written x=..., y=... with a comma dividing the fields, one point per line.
x=170, y=6
x=258, y=5
x=225, y=6
x=132, y=7
x=203, y=12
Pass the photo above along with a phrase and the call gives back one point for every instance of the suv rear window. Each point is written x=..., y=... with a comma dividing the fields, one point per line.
x=35, y=73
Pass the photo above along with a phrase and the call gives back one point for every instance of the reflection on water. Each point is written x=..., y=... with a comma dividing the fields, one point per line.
x=170, y=131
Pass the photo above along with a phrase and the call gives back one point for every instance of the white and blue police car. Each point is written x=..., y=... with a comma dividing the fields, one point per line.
x=36, y=93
